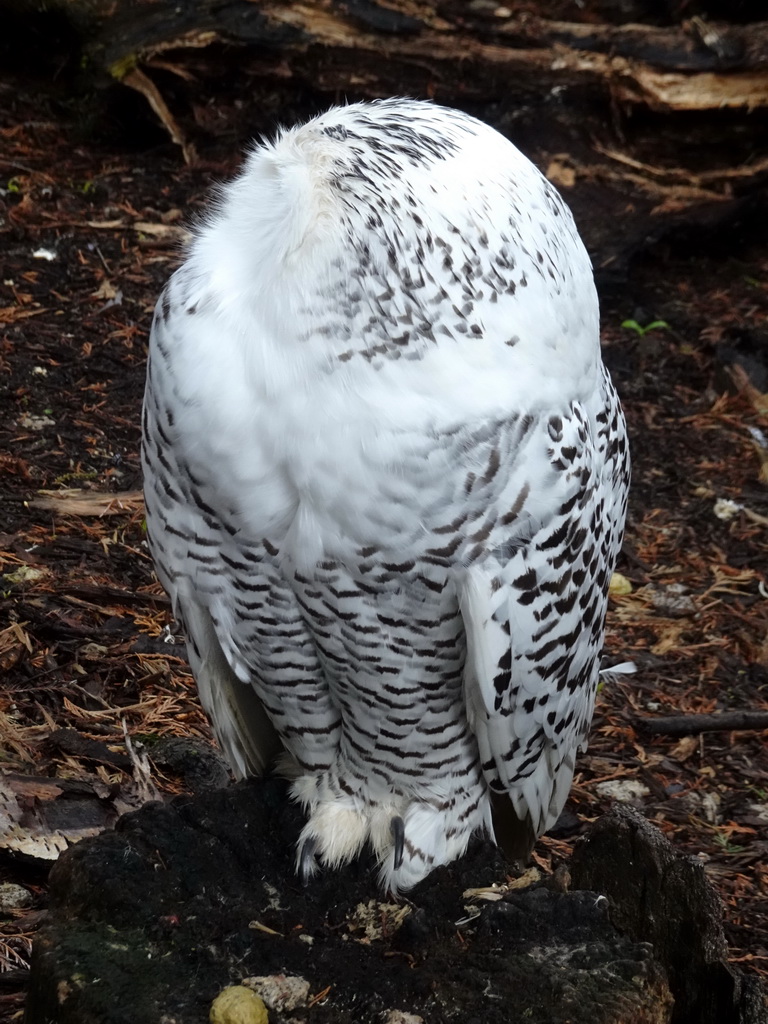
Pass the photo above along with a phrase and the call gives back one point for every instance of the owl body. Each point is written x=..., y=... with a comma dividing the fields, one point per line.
x=385, y=477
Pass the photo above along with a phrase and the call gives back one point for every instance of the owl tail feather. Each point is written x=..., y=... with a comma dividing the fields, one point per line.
x=516, y=836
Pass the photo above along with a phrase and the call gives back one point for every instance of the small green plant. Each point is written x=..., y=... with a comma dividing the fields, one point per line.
x=656, y=325
x=726, y=845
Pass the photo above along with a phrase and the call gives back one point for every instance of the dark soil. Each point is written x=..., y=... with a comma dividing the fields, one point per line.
x=89, y=234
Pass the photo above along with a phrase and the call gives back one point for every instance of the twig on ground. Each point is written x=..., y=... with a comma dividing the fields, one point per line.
x=689, y=725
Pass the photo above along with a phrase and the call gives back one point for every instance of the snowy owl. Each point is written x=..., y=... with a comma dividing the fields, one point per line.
x=386, y=478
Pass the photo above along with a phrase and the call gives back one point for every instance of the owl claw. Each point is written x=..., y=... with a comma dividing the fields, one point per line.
x=398, y=835
x=307, y=859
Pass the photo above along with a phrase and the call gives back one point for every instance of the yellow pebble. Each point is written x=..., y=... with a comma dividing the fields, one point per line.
x=619, y=585
x=238, y=1005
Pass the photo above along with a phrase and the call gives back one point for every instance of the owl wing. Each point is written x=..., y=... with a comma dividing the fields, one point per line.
x=234, y=605
x=533, y=606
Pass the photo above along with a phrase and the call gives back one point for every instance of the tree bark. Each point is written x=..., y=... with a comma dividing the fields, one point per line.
x=456, y=52
x=202, y=893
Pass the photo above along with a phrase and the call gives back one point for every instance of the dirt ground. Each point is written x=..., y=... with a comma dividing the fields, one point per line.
x=89, y=233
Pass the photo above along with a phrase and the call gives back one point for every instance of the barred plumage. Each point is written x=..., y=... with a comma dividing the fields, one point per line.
x=386, y=477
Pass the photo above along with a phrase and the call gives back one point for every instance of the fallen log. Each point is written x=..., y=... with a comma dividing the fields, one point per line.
x=691, y=66
x=453, y=51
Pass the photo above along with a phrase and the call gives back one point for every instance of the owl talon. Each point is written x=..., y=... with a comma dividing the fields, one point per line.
x=307, y=860
x=398, y=835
